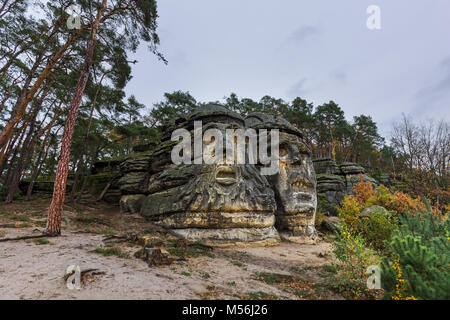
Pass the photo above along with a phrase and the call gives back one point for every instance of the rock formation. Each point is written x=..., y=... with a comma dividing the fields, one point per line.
x=223, y=202
x=230, y=202
x=295, y=182
x=334, y=182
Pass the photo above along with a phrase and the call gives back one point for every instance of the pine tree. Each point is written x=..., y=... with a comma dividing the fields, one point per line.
x=138, y=20
x=419, y=262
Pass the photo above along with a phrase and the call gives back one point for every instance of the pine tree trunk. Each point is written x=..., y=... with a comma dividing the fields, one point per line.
x=59, y=191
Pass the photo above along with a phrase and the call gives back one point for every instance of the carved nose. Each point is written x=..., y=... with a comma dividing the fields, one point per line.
x=296, y=159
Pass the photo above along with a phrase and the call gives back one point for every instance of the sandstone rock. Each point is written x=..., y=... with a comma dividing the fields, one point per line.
x=153, y=257
x=295, y=183
x=110, y=165
x=136, y=162
x=351, y=168
x=335, y=182
x=331, y=190
x=133, y=183
x=216, y=201
x=385, y=180
x=368, y=211
x=326, y=166
x=231, y=234
x=112, y=196
x=229, y=202
x=332, y=224
x=131, y=203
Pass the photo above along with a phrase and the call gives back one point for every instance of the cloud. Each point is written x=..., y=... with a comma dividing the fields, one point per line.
x=437, y=93
x=298, y=89
x=339, y=76
x=301, y=34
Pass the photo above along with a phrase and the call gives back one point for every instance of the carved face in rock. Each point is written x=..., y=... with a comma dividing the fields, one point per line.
x=212, y=197
x=295, y=183
x=215, y=201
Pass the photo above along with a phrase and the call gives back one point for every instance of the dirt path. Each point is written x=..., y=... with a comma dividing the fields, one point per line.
x=35, y=270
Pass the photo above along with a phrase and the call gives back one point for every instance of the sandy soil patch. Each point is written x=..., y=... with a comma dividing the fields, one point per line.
x=35, y=269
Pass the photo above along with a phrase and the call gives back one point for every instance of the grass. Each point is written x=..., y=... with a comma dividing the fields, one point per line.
x=232, y=284
x=194, y=250
x=149, y=231
x=109, y=231
x=19, y=218
x=87, y=219
x=237, y=263
x=10, y=225
x=261, y=295
x=272, y=278
x=297, y=286
x=41, y=241
x=111, y=252
x=186, y=274
x=294, y=269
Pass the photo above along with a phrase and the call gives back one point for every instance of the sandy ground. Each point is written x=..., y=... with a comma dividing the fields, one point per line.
x=29, y=270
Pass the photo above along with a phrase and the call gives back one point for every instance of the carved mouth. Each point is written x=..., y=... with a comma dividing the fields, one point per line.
x=302, y=184
x=226, y=175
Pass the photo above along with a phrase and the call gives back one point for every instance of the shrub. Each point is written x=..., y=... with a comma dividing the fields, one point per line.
x=351, y=251
x=382, y=197
x=396, y=202
x=377, y=228
x=418, y=264
x=402, y=202
x=349, y=212
x=363, y=191
x=319, y=218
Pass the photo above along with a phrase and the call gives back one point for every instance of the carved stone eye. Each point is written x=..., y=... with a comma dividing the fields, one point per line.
x=284, y=152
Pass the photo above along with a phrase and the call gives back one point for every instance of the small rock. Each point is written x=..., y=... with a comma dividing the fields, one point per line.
x=370, y=210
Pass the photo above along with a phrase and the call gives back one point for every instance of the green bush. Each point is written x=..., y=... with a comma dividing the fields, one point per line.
x=353, y=254
x=418, y=264
x=377, y=228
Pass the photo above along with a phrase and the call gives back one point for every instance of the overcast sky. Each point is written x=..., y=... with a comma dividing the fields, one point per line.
x=319, y=50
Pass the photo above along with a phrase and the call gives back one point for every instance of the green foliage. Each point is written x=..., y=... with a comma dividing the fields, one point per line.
x=418, y=264
x=377, y=228
x=352, y=253
x=42, y=241
x=111, y=252
x=175, y=104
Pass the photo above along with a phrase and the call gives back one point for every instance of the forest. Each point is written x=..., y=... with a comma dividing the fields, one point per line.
x=63, y=107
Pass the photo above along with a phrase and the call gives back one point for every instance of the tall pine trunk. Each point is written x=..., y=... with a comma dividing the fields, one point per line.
x=59, y=191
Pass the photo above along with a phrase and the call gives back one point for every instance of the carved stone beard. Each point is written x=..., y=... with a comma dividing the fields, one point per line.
x=217, y=197
x=230, y=188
